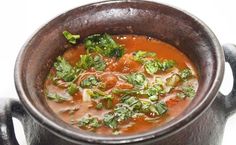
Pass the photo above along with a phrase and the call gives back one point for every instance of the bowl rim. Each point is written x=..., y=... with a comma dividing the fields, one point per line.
x=158, y=133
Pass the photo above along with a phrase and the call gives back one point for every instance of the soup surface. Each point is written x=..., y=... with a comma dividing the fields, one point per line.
x=115, y=85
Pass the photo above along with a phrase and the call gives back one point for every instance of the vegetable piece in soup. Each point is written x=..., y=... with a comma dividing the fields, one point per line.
x=114, y=85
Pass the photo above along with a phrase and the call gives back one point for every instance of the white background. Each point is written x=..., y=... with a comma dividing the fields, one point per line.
x=20, y=18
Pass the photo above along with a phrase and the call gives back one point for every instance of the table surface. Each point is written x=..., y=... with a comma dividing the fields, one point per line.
x=20, y=19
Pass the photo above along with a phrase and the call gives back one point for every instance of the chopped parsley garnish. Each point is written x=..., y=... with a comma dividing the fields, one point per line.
x=87, y=61
x=106, y=100
x=99, y=63
x=166, y=64
x=64, y=70
x=152, y=66
x=136, y=79
x=121, y=112
x=161, y=108
x=155, y=90
x=152, y=92
x=130, y=107
x=70, y=37
x=140, y=55
x=189, y=91
x=132, y=102
x=72, y=89
x=185, y=74
x=110, y=120
x=89, y=82
x=103, y=44
x=89, y=122
x=158, y=108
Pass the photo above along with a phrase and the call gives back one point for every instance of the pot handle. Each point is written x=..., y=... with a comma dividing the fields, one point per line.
x=8, y=108
x=230, y=57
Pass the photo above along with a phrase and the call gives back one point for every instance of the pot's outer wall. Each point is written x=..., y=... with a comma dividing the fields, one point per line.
x=206, y=130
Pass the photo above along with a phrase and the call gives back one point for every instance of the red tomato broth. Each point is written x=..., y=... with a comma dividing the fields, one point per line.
x=122, y=66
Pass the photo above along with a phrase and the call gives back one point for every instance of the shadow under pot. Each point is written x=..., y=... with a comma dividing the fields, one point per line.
x=203, y=120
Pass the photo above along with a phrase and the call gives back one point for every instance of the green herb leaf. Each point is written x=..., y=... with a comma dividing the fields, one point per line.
x=166, y=64
x=95, y=123
x=72, y=89
x=136, y=79
x=89, y=122
x=161, y=108
x=117, y=52
x=122, y=112
x=86, y=61
x=152, y=66
x=155, y=90
x=106, y=100
x=89, y=82
x=140, y=55
x=64, y=70
x=103, y=44
x=132, y=102
x=70, y=37
x=99, y=63
x=110, y=120
x=189, y=91
x=185, y=74
x=131, y=106
x=152, y=92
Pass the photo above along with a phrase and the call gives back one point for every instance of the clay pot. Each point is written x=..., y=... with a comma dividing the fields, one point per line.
x=202, y=123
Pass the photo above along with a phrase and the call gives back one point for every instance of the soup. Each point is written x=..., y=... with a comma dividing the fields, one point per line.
x=120, y=84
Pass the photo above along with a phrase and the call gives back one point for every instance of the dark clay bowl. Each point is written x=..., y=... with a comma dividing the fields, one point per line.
x=176, y=27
